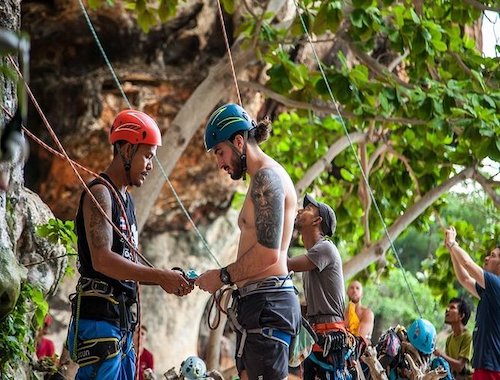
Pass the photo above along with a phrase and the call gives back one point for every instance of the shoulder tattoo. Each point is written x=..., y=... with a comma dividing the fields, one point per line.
x=268, y=198
x=101, y=236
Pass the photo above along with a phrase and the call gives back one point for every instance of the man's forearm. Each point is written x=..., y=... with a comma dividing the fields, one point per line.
x=466, y=264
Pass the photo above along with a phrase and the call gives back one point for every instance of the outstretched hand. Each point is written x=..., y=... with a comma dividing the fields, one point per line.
x=209, y=281
x=450, y=235
x=173, y=282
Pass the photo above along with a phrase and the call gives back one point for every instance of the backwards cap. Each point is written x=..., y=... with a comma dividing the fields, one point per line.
x=135, y=127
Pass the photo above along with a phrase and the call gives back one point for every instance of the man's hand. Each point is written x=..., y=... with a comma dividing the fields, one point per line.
x=449, y=237
x=209, y=281
x=437, y=353
x=173, y=282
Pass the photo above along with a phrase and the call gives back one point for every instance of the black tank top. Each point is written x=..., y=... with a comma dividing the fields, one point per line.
x=119, y=246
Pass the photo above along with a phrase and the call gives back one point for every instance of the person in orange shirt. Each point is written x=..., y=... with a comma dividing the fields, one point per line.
x=359, y=319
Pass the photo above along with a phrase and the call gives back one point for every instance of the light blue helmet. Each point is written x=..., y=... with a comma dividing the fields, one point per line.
x=225, y=122
x=193, y=368
x=422, y=335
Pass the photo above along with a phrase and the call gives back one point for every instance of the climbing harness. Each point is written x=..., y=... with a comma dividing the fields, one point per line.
x=269, y=285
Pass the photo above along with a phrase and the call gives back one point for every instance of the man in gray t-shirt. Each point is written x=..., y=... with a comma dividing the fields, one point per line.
x=323, y=286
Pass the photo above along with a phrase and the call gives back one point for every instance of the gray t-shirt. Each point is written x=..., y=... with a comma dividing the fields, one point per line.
x=324, y=285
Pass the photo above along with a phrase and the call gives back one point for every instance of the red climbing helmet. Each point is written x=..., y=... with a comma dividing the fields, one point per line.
x=135, y=127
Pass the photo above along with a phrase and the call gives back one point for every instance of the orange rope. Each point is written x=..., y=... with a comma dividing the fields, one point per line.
x=228, y=48
x=63, y=154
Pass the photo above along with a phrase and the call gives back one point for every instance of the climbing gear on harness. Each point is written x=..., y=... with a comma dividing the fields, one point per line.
x=224, y=123
x=422, y=335
x=193, y=368
x=135, y=127
x=190, y=276
x=302, y=343
x=269, y=285
x=94, y=299
x=94, y=351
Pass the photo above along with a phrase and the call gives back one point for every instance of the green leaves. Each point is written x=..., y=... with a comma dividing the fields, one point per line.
x=17, y=331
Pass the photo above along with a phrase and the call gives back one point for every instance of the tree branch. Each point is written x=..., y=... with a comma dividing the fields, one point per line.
x=373, y=65
x=321, y=108
x=408, y=167
x=363, y=191
x=375, y=251
x=319, y=166
x=476, y=4
x=489, y=186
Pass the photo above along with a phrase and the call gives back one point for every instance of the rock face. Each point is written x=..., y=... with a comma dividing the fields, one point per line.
x=21, y=211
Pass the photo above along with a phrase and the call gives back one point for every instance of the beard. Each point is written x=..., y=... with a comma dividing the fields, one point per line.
x=237, y=167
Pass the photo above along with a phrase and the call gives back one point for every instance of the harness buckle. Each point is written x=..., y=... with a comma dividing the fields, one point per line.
x=94, y=285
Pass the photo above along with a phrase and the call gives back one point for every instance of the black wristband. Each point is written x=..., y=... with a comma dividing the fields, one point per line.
x=225, y=277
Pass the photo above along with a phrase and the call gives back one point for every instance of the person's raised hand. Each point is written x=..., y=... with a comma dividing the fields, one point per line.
x=450, y=235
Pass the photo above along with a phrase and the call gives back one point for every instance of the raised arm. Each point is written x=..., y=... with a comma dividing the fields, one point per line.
x=466, y=270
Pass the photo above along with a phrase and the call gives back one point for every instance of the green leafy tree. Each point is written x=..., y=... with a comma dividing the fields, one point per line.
x=413, y=104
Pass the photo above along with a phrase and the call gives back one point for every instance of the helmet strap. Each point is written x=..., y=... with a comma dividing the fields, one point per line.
x=127, y=162
x=243, y=156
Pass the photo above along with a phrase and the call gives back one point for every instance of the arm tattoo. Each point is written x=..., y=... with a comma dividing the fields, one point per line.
x=99, y=229
x=268, y=198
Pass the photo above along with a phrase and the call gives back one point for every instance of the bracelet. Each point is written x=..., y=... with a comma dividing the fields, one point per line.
x=452, y=244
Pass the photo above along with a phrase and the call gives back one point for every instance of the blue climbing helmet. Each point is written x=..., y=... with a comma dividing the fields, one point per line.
x=422, y=335
x=225, y=122
x=193, y=368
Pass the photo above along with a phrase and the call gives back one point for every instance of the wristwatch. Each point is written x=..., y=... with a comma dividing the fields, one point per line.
x=225, y=277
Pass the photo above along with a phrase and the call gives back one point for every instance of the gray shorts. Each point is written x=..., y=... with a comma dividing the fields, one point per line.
x=265, y=358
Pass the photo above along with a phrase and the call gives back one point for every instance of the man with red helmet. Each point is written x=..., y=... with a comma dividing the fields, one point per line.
x=105, y=303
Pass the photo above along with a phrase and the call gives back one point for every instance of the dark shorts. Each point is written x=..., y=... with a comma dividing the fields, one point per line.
x=265, y=358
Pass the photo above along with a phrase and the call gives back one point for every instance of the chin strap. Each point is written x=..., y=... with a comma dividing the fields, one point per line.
x=127, y=162
x=243, y=157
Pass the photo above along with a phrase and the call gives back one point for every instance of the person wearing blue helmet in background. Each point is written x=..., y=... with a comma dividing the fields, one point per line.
x=405, y=353
x=265, y=310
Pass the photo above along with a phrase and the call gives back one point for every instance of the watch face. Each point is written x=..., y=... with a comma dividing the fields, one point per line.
x=224, y=276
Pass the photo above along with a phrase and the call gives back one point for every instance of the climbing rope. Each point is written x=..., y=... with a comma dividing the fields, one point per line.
x=120, y=87
x=75, y=164
x=351, y=144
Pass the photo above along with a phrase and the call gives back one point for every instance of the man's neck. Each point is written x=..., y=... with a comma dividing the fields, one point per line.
x=458, y=328
x=256, y=159
x=310, y=238
x=117, y=176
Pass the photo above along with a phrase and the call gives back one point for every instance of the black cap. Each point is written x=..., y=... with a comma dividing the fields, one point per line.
x=329, y=222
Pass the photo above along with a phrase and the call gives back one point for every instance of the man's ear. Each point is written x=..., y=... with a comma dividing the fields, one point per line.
x=317, y=220
x=238, y=142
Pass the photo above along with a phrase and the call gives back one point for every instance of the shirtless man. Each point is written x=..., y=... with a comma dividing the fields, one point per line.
x=359, y=318
x=267, y=308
